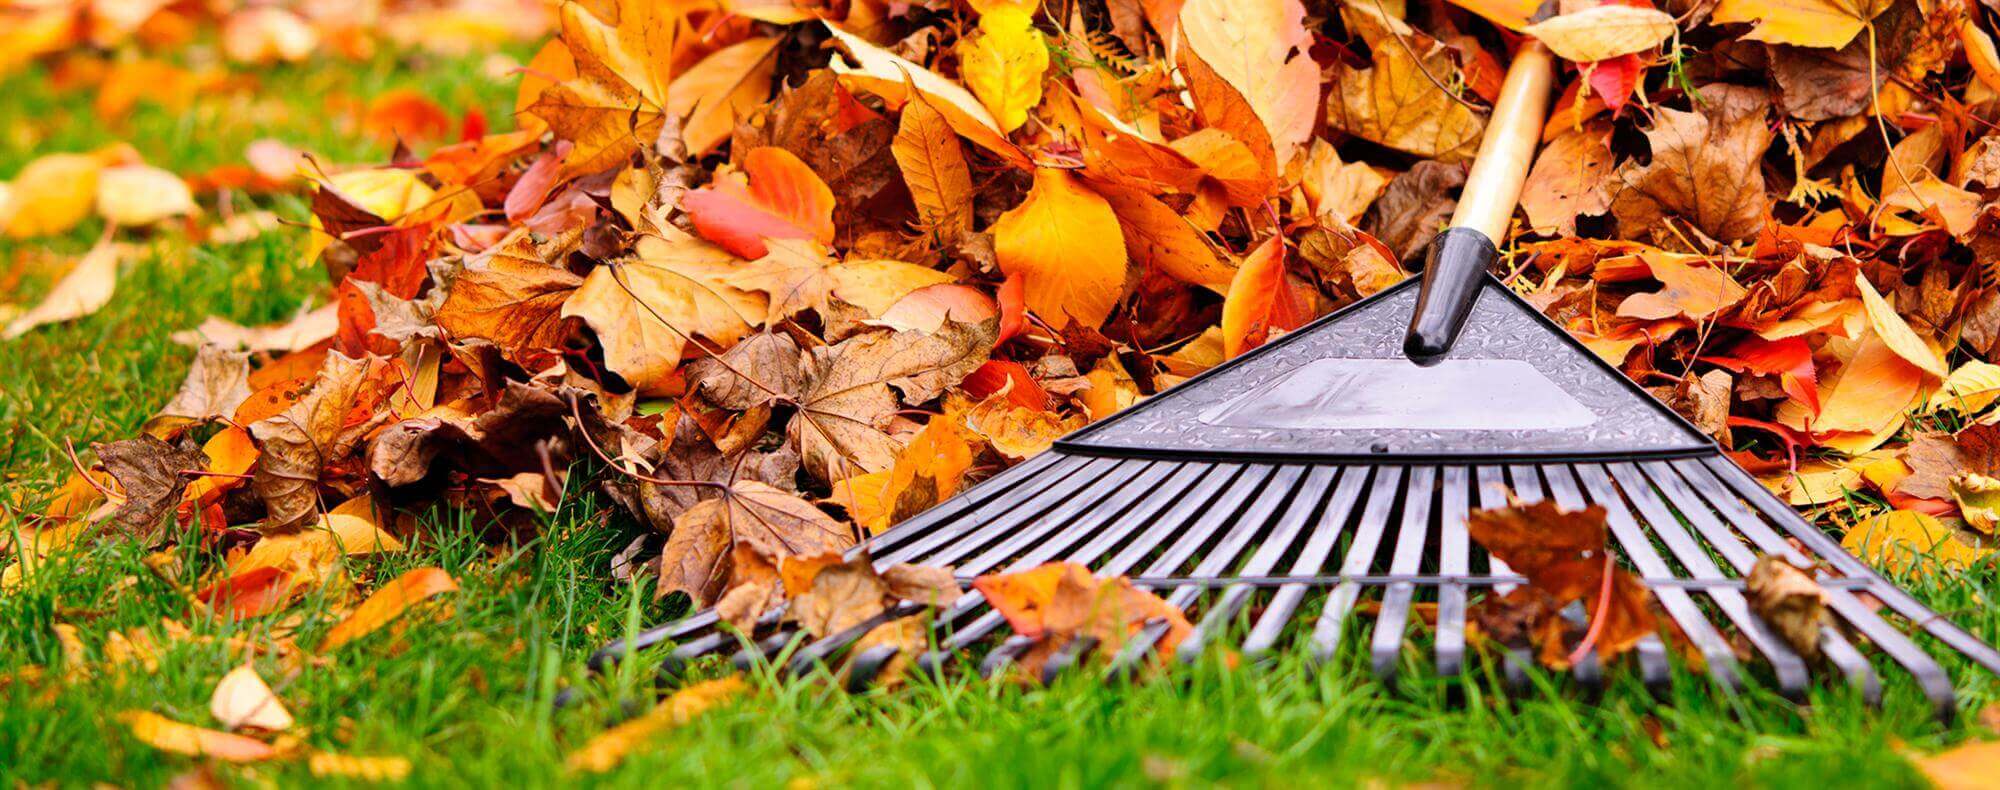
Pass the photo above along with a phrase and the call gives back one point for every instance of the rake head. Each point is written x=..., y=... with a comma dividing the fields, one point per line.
x=1285, y=487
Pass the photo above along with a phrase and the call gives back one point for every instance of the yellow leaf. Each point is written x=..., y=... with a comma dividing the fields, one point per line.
x=1897, y=334
x=368, y=769
x=1003, y=65
x=876, y=285
x=1059, y=242
x=721, y=90
x=1805, y=23
x=1511, y=14
x=1260, y=48
x=1817, y=483
x=1162, y=238
x=168, y=735
x=1970, y=389
x=1603, y=31
x=1111, y=389
x=882, y=73
x=1970, y=766
x=84, y=290
x=933, y=165
x=387, y=604
x=1896, y=539
x=1978, y=498
x=607, y=749
x=54, y=193
x=1016, y=431
x=242, y=700
x=141, y=195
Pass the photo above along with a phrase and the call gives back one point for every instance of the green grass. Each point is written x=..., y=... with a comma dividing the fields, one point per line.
x=468, y=698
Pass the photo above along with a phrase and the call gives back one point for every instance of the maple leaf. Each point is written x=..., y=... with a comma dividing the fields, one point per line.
x=885, y=74
x=1056, y=242
x=1563, y=554
x=846, y=401
x=1569, y=179
x=1705, y=169
x=774, y=524
x=611, y=99
x=321, y=428
x=647, y=309
x=512, y=295
x=1394, y=102
x=1057, y=603
x=151, y=476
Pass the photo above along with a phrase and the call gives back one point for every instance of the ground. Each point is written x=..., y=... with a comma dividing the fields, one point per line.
x=468, y=699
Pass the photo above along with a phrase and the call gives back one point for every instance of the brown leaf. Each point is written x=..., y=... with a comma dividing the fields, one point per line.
x=1569, y=179
x=1818, y=84
x=1563, y=554
x=774, y=524
x=607, y=749
x=647, y=309
x=323, y=427
x=150, y=475
x=1395, y=102
x=1414, y=208
x=1935, y=457
x=513, y=296
x=847, y=402
x=933, y=165
x=1790, y=601
x=1705, y=169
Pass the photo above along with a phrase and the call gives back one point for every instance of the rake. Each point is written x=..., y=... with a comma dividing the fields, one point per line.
x=1324, y=469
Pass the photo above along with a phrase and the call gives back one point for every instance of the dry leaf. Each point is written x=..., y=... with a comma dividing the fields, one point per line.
x=1790, y=601
x=1805, y=23
x=168, y=735
x=607, y=749
x=242, y=700
x=1260, y=48
x=84, y=290
x=1056, y=242
x=1602, y=32
x=387, y=604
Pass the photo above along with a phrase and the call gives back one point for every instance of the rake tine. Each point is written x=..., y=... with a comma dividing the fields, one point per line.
x=1391, y=623
x=1100, y=512
x=1036, y=536
x=1833, y=644
x=1790, y=669
x=1514, y=661
x=1652, y=652
x=1332, y=621
x=1930, y=677
x=1304, y=505
x=1823, y=544
x=1066, y=657
x=1452, y=554
x=999, y=517
x=1044, y=468
x=1246, y=524
x=1332, y=520
x=1004, y=656
x=766, y=648
x=1210, y=484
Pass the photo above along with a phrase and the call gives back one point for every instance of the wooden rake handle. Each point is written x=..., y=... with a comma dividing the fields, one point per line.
x=1460, y=255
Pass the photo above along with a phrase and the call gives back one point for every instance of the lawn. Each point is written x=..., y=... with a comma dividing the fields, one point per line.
x=468, y=698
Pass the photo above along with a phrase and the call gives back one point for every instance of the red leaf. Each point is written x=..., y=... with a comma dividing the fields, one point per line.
x=996, y=374
x=249, y=594
x=1614, y=79
x=1013, y=299
x=532, y=189
x=774, y=196
x=1789, y=359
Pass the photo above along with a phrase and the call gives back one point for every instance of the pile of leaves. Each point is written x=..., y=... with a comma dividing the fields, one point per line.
x=784, y=273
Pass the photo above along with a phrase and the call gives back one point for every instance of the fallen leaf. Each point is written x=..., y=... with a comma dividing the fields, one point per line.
x=241, y=700
x=773, y=196
x=1563, y=554
x=1262, y=302
x=168, y=735
x=1790, y=601
x=933, y=165
x=327, y=765
x=1904, y=540
x=1002, y=62
x=1395, y=102
x=1603, y=31
x=605, y=750
x=1055, y=241
x=647, y=309
x=387, y=604
x=1059, y=602
x=1260, y=48
x=1569, y=179
x=86, y=289
x=1705, y=169
x=1806, y=23
x=1968, y=766
x=139, y=195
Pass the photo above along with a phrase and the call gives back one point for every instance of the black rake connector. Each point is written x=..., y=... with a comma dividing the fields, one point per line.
x=1288, y=487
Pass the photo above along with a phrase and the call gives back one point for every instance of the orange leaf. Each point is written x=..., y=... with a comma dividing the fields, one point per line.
x=406, y=115
x=1062, y=243
x=1260, y=300
x=774, y=196
x=387, y=604
x=168, y=735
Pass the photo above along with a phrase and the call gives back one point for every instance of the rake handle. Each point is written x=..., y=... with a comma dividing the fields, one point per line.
x=1463, y=251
